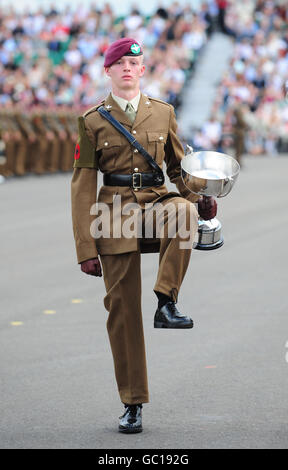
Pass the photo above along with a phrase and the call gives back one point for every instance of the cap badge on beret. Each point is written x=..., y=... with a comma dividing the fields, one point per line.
x=120, y=48
x=135, y=48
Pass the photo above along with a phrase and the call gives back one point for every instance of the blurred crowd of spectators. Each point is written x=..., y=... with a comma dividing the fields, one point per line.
x=254, y=82
x=51, y=70
x=52, y=62
x=51, y=66
x=57, y=57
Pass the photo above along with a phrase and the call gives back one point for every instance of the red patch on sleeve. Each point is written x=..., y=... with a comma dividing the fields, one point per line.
x=77, y=152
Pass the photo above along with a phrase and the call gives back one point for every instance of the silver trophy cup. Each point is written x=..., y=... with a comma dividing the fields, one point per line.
x=209, y=173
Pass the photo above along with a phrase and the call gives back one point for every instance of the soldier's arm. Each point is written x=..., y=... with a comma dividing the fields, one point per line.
x=84, y=193
x=26, y=126
x=14, y=127
x=173, y=155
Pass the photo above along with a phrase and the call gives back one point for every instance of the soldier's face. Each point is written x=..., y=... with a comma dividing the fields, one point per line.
x=126, y=72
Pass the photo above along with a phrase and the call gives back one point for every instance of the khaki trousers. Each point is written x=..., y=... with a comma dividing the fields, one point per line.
x=122, y=277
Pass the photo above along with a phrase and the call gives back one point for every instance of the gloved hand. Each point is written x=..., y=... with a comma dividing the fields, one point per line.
x=92, y=267
x=207, y=207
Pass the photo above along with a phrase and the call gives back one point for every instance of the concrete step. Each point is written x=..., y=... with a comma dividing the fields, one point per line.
x=199, y=92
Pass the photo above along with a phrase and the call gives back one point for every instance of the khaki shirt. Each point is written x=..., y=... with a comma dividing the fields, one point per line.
x=101, y=147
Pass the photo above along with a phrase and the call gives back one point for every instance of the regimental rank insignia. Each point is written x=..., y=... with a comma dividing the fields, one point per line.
x=135, y=48
x=77, y=152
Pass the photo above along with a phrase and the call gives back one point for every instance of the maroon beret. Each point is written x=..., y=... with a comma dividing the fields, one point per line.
x=124, y=46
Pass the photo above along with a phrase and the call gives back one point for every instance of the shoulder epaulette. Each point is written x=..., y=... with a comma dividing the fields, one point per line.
x=158, y=101
x=91, y=110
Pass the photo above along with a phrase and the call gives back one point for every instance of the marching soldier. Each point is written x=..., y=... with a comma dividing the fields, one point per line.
x=54, y=153
x=28, y=140
x=72, y=129
x=132, y=172
x=240, y=127
x=11, y=136
x=4, y=137
x=2, y=155
x=44, y=137
x=68, y=121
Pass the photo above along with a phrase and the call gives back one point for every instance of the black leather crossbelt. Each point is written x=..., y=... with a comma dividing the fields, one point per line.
x=135, y=181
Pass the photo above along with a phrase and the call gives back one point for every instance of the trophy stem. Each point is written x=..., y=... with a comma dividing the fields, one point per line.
x=209, y=235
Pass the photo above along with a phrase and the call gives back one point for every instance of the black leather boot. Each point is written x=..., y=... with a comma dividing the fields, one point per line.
x=131, y=421
x=168, y=316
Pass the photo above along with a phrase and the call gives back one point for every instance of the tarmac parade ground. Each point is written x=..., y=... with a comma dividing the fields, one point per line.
x=222, y=384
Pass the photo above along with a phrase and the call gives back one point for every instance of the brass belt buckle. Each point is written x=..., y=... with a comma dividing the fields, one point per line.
x=137, y=184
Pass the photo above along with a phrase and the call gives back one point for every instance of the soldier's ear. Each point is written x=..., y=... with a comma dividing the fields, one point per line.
x=107, y=71
x=143, y=68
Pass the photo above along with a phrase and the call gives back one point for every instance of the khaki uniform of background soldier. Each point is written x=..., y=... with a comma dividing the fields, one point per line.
x=11, y=136
x=240, y=127
x=28, y=141
x=35, y=140
x=69, y=120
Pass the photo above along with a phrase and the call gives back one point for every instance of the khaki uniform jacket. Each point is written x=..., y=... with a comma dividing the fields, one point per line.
x=101, y=147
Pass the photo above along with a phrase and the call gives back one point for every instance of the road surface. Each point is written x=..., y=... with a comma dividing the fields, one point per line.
x=222, y=384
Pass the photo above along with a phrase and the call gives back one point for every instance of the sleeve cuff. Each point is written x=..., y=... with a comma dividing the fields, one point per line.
x=86, y=250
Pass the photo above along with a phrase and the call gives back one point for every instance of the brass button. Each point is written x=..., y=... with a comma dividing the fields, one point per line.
x=135, y=151
x=134, y=132
x=135, y=189
x=161, y=138
x=136, y=169
x=106, y=143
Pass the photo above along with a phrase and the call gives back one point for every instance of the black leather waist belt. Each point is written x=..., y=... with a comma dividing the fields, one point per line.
x=135, y=181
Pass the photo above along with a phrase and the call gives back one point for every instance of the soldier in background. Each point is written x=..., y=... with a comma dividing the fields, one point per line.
x=44, y=138
x=28, y=140
x=240, y=127
x=11, y=136
x=2, y=157
x=53, y=154
x=70, y=123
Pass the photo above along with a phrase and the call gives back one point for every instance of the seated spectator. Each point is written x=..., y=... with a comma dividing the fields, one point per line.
x=257, y=71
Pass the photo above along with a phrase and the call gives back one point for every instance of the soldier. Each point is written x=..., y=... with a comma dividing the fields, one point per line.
x=28, y=140
x=72, y=129
x=240, y=127
x=44, y=138
x=4, y=138
x=128, y=175
x=11, y=136
x=69, y=122
x=3, y=158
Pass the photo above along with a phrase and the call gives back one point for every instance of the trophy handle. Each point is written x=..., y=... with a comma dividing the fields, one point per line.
x=189, y=149
x=229, y=181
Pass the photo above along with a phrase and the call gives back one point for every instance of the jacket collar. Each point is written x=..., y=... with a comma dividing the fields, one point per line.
x=144, y=111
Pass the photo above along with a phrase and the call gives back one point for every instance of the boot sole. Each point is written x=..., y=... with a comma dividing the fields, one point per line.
x=158, y=324
x=130, y=431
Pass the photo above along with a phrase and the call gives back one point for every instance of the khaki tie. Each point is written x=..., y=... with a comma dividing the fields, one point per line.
x=130, y=111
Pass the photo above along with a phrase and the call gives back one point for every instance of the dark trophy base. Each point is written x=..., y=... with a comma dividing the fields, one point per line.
x=213, y=246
